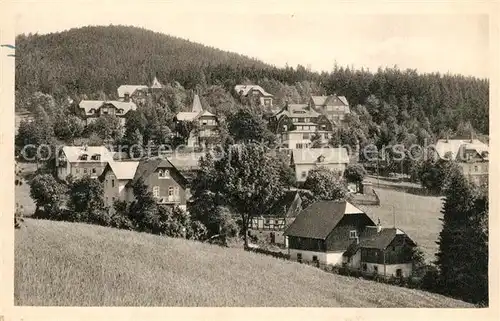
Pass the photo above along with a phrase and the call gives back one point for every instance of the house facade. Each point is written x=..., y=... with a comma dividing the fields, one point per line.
x=133, y=93
x=80, y=161
x=304, y=160
x=297, y=124
x=335, y=108
x=205, y=121
x=272, y=224
x=324, y=230
x=138, y=93
x=471, y=155
x=93, y=109
x=383, y=251
x=168, y=185
x=255, y=93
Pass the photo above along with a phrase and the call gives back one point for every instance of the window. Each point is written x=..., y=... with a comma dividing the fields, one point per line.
x=170, y=191
x=299, y=257
x=113, y=198
x=315, y=258
x=112, y=183
x=375, y=269
x=204, y=122
x=323, y=127
x=475, y=168
x=295, y=120
x=96, y=157
x=364, y=267
x=77, y=170
x=353, y=234
x=399, y=273
x=305, y=136
x=304, y=174
x=160, y=173
x=94, y=171
x=84, y=157
x=85, y=171
x=156, y=191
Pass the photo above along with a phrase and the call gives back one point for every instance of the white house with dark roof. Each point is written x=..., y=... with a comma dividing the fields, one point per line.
x=471, y=155
x=386, y=251
x=324, y=230
x=93, y=109
x=335, y=108
x=255, y=91
x=79, y=161
x=206, y=121
x=304, y=160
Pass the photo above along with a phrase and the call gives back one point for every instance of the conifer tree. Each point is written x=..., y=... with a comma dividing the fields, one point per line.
x=462, y=258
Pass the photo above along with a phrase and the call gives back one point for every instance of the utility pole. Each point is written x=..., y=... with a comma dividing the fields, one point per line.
x=394, y=216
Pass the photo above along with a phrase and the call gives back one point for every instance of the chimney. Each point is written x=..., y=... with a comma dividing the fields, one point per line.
x=379, y=227
x=85, y=147
x=127, y=97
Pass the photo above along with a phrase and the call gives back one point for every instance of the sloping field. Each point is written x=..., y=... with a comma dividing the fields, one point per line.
x=70, y=264
x=417, y=215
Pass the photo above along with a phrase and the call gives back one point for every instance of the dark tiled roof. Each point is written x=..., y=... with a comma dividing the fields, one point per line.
x=372, y=239
x=284, y=204
x=318, y=219
x=148, y=166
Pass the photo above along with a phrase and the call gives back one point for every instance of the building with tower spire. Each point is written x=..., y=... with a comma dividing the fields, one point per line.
x=205, y=123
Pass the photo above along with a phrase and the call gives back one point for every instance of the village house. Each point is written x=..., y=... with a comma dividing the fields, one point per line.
x=168, y=185
x=296, y=125
x=256, y=93
x=206, y=124
x=304, y=160
x=470, y=154
x=93, y=109
x=138, y=93
x=324, y=230
x=383, y=251
x=335, y=108
x=79, y=161
x=271, y=224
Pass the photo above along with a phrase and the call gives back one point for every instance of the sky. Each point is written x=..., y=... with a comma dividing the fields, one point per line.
x=314, y=36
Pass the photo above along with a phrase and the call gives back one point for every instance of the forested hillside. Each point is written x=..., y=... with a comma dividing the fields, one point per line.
x=390, y=105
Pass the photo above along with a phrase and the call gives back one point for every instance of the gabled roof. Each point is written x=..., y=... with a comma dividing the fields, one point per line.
x=454, y=146
x=148, y=166
x=156, y=83
x=196, y=111
x=320, y=218
x=124, y=170
x=372, y=239
x=88, y=105
x=129, y=89
x=245, y=89
x=329, y=100
x=283, y=207
x=185, y=161
x=73, y=153
x=186, y=116
x=314, y=155
x=297, y=110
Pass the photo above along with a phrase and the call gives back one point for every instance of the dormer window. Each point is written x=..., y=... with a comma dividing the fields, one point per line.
x=96, y=157
x=84, y=157
x=163, y=173
x=92, y=111
x=119, y=111
x=321, y=159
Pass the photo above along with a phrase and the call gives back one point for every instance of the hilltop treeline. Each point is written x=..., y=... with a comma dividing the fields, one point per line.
x=93, y=61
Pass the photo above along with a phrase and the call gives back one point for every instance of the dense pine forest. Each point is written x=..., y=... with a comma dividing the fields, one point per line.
x=389, y=104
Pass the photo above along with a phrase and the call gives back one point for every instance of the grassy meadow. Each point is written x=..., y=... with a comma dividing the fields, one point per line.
x=73, y=264
x=22, y=192
x=417, y=215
